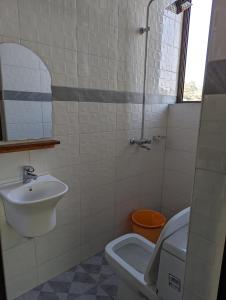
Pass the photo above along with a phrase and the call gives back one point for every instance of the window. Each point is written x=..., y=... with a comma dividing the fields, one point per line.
x=195, y=32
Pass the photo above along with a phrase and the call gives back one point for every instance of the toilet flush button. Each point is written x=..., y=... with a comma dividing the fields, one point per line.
x=174, y=283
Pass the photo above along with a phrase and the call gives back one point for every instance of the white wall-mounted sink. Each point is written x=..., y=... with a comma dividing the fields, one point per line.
x=31, y=208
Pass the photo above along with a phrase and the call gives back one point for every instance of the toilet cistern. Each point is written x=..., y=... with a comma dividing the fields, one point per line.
x=28, y=174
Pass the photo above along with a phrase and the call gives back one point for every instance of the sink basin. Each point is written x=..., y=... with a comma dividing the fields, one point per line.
x=31, y=208
x=36, y=192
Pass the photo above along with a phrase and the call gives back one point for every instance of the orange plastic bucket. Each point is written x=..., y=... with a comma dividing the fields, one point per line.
x=148, y=223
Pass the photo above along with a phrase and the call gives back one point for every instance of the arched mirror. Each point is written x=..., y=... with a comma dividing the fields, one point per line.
x=26, y=97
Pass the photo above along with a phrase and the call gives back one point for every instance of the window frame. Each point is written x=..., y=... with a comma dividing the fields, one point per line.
x=183, y=57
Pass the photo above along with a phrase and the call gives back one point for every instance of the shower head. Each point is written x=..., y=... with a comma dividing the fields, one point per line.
x=179, y=6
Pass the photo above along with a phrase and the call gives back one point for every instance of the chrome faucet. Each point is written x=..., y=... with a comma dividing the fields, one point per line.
x=28, y=174
x=141, y=143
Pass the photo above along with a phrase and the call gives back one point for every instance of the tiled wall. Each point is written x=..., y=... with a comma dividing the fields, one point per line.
x=91, y=44
x=96, y=44
x=208, y=221
x=182, y=134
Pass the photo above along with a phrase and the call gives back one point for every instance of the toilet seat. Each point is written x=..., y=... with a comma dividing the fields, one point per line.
x=139, y=274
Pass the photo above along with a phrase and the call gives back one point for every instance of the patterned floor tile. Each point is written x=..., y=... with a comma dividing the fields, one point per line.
x=32, y=295
x=80, y=287
x=87, y=297
x=47, y=296
x=91, y=280
x=65, y=277
x=62, y=296
x=111, y=290
x=73, y=296
x=60, y=287
x=91, y=269
x=83, y=277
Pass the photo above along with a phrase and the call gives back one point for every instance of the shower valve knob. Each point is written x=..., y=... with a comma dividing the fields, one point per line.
x=142, y=30
x=158, y=138
x=140, y=142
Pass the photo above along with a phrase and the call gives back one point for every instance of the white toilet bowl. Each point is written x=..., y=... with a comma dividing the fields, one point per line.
x=136, y=261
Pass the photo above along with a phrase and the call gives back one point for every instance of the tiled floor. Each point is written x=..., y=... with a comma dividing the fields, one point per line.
x=91, y=280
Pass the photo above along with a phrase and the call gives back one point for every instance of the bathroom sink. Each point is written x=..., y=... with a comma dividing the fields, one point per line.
x=35, y=192
x=31, y=208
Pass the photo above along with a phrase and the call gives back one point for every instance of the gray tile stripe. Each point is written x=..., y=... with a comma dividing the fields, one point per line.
x=26, y=96
x=61, y=93
x=215, y=78
x=92, y=95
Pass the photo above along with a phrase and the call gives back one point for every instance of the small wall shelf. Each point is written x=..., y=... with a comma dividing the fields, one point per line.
x=18, y=146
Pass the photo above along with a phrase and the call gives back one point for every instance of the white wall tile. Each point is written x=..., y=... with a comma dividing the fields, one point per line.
x=128, y=190
x=177, y=193
x=57, y=242
x=207, y=228
x=199, y=273
x=156, y=115
x=9, y=18
x=129, y=120
x=16, y=263
x=181, y=139
x=97, y=146
x=180, y=161
x=189, y=294
x=209, y=186
x=216, y=31
x=211, y=146
x=97, y=173
x=184, y=116
x=151, y=189
x=66, y=154
x=153, y=159
x=11, y=164
x=21, y=284
x=128, y=165
x=94, y=226
x=204, y=250
x=214, y=108
x=97, y=117
x=96, y=199
x=10, y=238
x=180, y=156
x=58, y=265
x=123, y=213
x=96, y=245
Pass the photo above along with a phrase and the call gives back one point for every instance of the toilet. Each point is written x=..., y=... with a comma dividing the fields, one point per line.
x=151, y=271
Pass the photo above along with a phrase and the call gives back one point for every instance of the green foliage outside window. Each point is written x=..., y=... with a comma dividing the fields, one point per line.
x=192, y=92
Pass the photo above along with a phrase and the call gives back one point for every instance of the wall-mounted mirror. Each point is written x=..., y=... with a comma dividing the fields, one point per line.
x=26, y=97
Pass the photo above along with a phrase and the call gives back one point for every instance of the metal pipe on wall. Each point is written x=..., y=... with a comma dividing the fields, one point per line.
x=176, y=7
x=146, y=30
